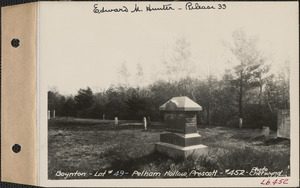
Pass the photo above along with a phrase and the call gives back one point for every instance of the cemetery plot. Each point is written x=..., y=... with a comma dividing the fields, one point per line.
x=188, y=143
x=91, y=148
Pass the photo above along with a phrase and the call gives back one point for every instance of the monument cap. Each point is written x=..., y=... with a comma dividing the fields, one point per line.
x=182, y=104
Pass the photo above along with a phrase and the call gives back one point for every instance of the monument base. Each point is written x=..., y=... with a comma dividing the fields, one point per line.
x=179, y=151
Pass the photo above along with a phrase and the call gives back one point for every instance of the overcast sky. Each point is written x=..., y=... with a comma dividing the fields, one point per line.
x=79, y=48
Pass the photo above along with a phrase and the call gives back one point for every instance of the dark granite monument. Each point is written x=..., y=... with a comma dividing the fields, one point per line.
x=181, y=137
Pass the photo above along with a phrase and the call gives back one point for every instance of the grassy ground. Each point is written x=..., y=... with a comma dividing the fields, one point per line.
x=91, y=146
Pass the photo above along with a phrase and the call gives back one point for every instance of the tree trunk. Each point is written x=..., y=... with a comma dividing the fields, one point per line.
x=260, y=92
x=208, y=114
x=209, y=99
x=241, y=101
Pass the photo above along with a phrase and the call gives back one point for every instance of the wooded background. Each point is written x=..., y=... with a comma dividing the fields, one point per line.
x=247, y=90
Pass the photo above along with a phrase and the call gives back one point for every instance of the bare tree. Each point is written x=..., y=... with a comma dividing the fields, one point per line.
x=123, y=75
x=139, y=75
x=180, y=65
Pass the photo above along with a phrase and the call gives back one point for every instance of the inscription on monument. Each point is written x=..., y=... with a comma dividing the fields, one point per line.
x=181, y=122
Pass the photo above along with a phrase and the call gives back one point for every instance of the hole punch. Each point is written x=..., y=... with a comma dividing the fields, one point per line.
x=16, y=148
x=15, y=43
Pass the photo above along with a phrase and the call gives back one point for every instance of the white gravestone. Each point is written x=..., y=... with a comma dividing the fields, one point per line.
x=145, y=123
x=116, y=121
x=240, y=123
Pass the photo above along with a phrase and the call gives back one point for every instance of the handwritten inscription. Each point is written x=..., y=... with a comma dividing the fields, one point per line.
x=255, y=171
x=196, y=6
x=273, y=177
x=189, y=6
x=136, y=9
x=164, y=7
x=276, y=181
x=66, y=175
x=103, y=10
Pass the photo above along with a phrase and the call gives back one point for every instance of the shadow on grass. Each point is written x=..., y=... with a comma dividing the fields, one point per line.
x=159, y=162
x=264, y=141
x=131, y=164
x=139, y=127
x=70, y=124
x=245, y=159
x=238, y=159
x=274, y=141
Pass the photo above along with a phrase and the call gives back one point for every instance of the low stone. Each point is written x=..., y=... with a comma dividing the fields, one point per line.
x=266, y=131
x=179, y=151
x=180, y=139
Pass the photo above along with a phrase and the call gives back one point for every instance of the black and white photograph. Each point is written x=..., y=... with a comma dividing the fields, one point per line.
x=170, y=90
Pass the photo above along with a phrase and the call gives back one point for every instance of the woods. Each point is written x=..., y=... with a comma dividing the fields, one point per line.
x=219, y=99
x=246, y=95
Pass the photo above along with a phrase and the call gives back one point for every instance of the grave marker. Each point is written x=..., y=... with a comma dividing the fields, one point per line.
x=145, y=123
x=116, y=121
x=283, y=123
x=266, y=131
x=181, y=137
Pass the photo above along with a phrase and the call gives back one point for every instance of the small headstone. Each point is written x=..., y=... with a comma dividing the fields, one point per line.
x=53, y=113
x=48, y=114
x=103, y=116
x=240, y=123
x=266, y=131
x=116, y=121
x=145, y=123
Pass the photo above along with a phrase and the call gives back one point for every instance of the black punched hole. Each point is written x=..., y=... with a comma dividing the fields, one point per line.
x=16, y=148
x=15, y=43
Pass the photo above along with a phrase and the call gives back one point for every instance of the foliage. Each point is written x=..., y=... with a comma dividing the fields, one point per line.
x=180, y=65
x=245, y=90
x=84, y=99
x=218, y=98
x=69, y=107
x=225, y=105
x=116, y=106
x=248, y=74
x=56, y=102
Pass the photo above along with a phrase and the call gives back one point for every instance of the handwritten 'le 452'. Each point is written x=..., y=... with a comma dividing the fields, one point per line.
x=276, y=181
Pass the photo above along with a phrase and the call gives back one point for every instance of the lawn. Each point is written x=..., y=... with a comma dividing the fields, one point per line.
x=82, y=148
